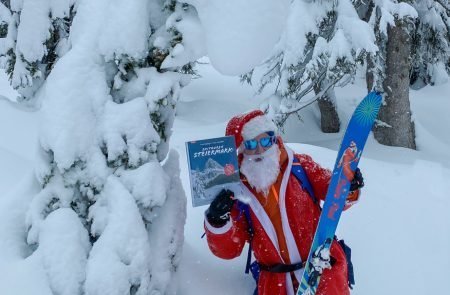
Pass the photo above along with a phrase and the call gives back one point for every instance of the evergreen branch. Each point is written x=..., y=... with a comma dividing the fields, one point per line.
x=271, y=70
x=310, y=87
x=314, y=99
x=446, y=6
x=278, y=83
x=304, y=92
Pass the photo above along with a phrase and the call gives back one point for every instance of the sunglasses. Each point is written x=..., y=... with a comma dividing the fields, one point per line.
x=265, y=142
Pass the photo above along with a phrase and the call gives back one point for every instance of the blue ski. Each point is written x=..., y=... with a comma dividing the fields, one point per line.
x=349, y=154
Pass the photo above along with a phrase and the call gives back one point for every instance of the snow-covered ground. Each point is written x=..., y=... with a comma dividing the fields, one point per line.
x=399, y=232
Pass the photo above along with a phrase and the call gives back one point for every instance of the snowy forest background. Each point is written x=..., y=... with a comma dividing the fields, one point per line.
x=99, y=96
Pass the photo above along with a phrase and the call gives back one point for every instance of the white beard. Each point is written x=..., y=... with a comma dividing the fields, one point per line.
x=262, y=170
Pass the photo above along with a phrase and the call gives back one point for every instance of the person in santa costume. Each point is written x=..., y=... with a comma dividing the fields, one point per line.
x=281, y=215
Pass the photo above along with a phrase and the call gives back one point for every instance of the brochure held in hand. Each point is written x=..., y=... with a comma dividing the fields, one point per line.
x=213, y=166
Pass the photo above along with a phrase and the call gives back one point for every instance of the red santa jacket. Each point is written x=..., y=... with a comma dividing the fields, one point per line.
x=299, y=218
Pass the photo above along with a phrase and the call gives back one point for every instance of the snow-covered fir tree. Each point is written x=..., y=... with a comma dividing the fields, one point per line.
x=322, y=44
x=389, y=70
x=33, y=36
x=430, y=43
x=110, y=215
x=430, y=37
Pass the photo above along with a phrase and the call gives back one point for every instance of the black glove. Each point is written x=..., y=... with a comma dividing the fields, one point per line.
x=357, y=182
x=218, y=212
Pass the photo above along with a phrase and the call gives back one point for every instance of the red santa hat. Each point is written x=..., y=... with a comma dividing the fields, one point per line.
x=248, y=126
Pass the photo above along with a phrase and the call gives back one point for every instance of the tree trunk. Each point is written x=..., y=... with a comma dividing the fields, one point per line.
x=365, y=12
x=329, y=119
x=369, y=73
x=395, y=127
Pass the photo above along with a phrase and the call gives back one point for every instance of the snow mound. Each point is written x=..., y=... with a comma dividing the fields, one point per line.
x=240, y=34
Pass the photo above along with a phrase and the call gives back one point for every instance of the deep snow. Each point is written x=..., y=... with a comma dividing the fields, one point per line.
x=399, y=231
x=240, y=34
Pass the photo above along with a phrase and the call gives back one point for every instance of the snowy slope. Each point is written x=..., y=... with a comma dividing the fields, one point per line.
x=18, y=128
x=399, y=232
x=12, y=169
x=18, y=137
x=18, y=140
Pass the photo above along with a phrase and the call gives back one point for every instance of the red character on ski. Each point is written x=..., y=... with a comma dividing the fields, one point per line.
x=338, y=190
x=332, y=210
x=349, y=156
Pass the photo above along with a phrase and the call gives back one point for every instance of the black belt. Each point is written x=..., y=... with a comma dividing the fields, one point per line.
x=282, y=268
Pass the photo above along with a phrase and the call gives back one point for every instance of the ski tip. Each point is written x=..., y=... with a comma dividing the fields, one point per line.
x=375, y=95
x=367, y=110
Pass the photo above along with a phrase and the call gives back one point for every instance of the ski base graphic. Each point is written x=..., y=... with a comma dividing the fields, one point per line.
x=349, y=154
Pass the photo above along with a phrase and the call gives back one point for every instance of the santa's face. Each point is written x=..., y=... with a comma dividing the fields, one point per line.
x=353, y=147
x=261, y=165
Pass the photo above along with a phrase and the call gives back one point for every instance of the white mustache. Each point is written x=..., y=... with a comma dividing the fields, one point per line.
x=254, y=158
x=262, y=170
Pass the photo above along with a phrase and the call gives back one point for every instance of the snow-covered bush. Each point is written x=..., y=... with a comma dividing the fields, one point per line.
x=33, y=36
x=110, y=215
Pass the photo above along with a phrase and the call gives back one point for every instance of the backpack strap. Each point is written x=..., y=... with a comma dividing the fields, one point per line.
x=245, y=209
x=301, y=176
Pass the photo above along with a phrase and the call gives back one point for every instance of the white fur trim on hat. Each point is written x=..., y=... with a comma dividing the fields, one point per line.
x=256, y=126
